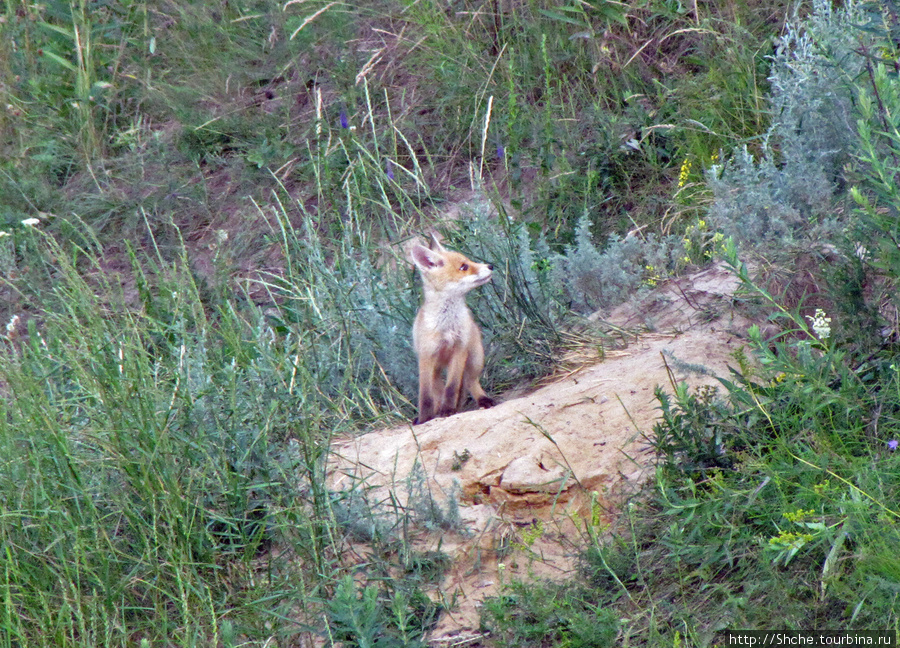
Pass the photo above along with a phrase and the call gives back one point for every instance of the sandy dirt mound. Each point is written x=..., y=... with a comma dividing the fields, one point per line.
x=527, y=471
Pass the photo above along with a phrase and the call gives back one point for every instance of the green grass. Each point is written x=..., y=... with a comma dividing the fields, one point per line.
x=773, y=506
x=216, y=288
x=565, y=108
x=143, y=497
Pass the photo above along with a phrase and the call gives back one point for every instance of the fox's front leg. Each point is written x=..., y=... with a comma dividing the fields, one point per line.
x=453, y=389
x=428, y=386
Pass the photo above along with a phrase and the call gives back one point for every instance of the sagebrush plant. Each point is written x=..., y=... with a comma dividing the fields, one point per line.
x=520, y=313
x=537, y=293
x=787, y=186
x=592, y=278
x=429, y=512
x=354, y=315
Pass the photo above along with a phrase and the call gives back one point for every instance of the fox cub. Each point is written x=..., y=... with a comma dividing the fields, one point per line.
x=445, y=336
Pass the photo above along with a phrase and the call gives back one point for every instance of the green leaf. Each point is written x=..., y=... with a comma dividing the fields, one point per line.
x=59, y=59
x=562, y=18
x=68, y=33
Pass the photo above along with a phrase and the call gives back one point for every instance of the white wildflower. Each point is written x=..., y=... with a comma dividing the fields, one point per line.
x=2, y=234
x=31, y=222
x=821, y=324
x=12, y=324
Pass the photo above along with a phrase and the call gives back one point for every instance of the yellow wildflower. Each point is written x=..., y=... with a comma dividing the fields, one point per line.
x=684, y=173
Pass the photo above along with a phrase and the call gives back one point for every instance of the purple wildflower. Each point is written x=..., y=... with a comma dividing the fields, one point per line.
x=344, y=122
x=389, y=169
x=893, y=443
x=501, y=152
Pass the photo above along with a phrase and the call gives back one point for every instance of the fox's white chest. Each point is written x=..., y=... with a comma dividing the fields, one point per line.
x=449, y=323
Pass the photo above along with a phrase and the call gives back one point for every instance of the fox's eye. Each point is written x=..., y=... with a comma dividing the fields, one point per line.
x=464, y=267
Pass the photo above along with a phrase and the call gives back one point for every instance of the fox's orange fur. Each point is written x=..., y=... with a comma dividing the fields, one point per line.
x=445, y=337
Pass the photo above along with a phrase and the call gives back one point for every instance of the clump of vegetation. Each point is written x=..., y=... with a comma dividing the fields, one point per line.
x=535, y=614
x=591, y=278
x=774, y=498
x=789, y=186
x=369, y=618
x=141, y=481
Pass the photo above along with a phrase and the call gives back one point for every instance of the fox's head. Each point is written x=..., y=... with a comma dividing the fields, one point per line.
x=446, y=271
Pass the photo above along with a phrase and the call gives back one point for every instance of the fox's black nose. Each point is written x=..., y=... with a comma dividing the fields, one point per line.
x=490, y=267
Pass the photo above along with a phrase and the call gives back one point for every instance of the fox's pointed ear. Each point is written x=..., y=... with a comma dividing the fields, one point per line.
x=436, y=244
x=424, y=258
